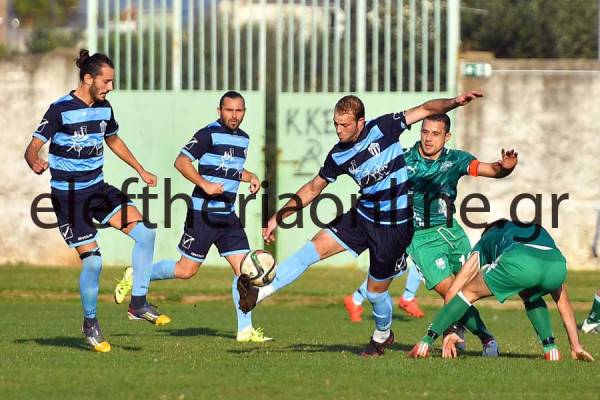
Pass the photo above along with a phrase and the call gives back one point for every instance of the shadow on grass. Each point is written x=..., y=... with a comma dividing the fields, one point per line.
x=357, y=349
x=316, y=348
x=72, y=342
x=197, y=331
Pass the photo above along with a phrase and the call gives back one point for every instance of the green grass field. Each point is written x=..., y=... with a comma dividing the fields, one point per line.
x=43, y=354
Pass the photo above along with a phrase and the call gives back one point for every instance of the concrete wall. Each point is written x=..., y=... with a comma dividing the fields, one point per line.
x=28, y=85
x=549, y=111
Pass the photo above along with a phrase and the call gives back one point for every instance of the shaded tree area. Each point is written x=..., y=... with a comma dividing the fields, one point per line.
x=531, y=28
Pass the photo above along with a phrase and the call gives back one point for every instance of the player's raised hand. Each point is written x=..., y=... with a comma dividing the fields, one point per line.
x=581, y=355
x=509, y=159
x=213, y=189
x=268, y=233
x=39, y=166
x=148, y=178
x=254, y=184
x=466, y=98
x=449, y=345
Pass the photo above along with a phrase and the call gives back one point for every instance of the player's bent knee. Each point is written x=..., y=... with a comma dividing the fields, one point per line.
x=375, y=297
x=141, y=233
x=92, y=259
x=186, y=272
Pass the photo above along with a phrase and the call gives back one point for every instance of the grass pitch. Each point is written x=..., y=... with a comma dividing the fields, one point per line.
x=44, y=356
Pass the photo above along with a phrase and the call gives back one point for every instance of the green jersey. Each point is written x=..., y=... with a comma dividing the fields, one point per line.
x=432, y=184
x=507, y=235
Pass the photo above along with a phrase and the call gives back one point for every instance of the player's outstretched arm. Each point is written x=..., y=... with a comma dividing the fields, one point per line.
x=35, y=162
x=251, y=178
x=184, y=165
x=467, y=273
x=439, y=106
x=568, y=318
x=500, y=168
x=303, y=197
x=118, y=146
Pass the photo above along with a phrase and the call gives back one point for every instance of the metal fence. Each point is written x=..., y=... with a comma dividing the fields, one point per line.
x=305, y=45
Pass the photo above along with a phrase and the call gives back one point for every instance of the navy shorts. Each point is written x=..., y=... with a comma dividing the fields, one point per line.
x=386, y=243
x=203, y=229
x=76, y=211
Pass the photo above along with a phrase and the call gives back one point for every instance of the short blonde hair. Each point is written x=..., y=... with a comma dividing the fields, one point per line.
x=350, y=105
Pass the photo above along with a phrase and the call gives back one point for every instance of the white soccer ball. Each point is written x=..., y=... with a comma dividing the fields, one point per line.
x=260, y=266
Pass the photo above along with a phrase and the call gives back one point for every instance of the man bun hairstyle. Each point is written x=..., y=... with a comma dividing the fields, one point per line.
x=91, y=64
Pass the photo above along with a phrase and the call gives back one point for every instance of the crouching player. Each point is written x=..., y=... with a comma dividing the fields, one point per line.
x=509, y=259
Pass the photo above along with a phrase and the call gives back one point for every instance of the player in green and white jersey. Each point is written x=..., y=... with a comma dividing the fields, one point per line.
x=439, y=246
x=510, y=258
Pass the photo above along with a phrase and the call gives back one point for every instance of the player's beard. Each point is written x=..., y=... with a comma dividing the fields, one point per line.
x=95, y=94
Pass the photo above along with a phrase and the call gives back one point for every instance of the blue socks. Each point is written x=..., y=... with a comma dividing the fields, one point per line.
x=382, y=309
x=413, y=281
x=243, y=319
x=291, y=269
x=143, y=251
x=361, y=294
x=89, y=282
x=163, y=269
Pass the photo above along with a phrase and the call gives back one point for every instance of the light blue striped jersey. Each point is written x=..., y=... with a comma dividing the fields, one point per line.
x=221, y=154
x=76, y=133
x=376, y=163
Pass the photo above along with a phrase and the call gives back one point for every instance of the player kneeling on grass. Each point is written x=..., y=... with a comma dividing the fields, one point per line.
x=510, y=258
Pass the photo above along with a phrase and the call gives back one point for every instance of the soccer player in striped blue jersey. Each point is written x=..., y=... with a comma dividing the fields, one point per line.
x=220, y=149
x=381, y=221
x=77, y=126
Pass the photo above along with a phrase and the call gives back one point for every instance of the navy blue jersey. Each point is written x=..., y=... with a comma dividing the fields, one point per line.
x=76, y=133
x=221, y=154
x=376, y=163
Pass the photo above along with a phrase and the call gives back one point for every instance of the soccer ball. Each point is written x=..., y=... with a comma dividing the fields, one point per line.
x=260, y=266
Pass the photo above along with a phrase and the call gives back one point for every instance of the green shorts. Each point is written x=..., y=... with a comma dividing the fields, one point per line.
x=524, y=268
x=439, y=252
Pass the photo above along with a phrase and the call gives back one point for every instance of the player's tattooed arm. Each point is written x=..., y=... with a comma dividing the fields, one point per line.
x=184, y=165
x=568, y=318
x=118, y=146
x=35, y=162
x=303, y=197
x=439, y=106
x=251, y=178
x=500, y=168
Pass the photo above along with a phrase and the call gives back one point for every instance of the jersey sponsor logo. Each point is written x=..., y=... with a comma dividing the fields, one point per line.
x=42, y=125
x=446, y=165
x=78, y=136
x=401, y=265
x=84, y=237
x=375, y=174
x=353, y=167
x=66, y=231
x=191, y=143
x=411, y=170
x=227, y=163
x=187, y=241
x=374, y=149
x=440, y=263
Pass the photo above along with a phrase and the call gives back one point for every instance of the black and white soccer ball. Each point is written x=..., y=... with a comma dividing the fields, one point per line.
x=260, y=266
